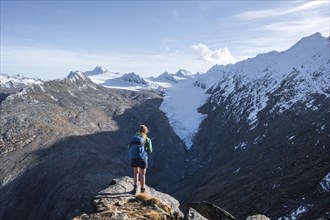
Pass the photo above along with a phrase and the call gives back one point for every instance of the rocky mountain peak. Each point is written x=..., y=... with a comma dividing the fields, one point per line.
x=166, y=77
x=183, y=73
x=76, y=75
x=97, y=70
x=132, y=77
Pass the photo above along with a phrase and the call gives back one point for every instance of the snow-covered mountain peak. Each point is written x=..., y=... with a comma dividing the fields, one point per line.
x=171, y=78
x=134, y=78
x=165, y=77
x=310, y=40
x=17, y=81
x=183, y=73
x=97, y=70
x=313, y=44
x=130, y=81
x=76, y=75
x=303, y=54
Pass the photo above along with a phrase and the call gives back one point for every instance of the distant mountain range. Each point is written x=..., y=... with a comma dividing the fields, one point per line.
x=17, y=81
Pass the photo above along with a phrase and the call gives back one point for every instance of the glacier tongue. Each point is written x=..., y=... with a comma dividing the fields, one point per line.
x=181, y=103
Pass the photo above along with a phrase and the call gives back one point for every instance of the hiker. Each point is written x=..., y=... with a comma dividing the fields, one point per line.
x=139, y=146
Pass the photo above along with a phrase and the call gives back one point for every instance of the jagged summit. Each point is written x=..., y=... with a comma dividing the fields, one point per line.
x=134, y=78
x=183, y=73
x=97, y=70
x=17, y=81
x=165, y=77
x=106, y=78
x=77, y=75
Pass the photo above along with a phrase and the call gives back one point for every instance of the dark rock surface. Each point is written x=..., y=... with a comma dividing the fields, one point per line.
x=5, y=92
x=63, y=141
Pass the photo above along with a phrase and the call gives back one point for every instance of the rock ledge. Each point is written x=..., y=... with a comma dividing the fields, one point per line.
x=116, y=202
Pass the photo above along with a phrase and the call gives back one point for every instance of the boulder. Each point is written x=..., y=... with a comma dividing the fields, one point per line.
x=210, y=211
x=258, y=217
x=194, y=215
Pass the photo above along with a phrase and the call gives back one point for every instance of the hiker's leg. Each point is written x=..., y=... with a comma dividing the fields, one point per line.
x=142, y=177
x=136, y=175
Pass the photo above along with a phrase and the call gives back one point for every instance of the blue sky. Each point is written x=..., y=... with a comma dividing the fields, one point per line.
x=48, y=39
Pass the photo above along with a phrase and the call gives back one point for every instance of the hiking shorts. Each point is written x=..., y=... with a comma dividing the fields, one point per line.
x=143, y=164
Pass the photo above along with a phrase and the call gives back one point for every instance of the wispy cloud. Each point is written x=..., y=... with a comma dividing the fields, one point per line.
x=304, y=26
x=258, y=14
x=220, y=56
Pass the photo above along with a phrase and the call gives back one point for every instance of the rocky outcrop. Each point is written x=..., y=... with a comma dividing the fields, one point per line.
x=210, y=211
x=258, y=217
x=194, y=215
x=116, y=202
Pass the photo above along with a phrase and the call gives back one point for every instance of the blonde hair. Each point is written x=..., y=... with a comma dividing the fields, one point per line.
x=143, y=130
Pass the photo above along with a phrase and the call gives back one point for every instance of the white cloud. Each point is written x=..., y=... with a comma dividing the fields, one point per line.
x=220, y=56
x=258, y=14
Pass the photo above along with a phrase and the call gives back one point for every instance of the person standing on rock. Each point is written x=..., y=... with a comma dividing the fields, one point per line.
x=138, y=149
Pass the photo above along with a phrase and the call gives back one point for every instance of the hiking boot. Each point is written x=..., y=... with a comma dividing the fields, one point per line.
x=134, y=190
x=143, y=190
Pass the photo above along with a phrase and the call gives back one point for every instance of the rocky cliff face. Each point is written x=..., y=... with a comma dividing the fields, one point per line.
x=64, y=140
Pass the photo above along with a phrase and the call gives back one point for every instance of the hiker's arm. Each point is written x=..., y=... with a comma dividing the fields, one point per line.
x=148, y=145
